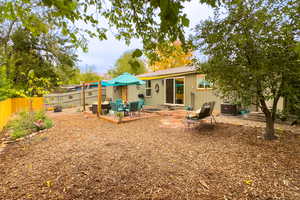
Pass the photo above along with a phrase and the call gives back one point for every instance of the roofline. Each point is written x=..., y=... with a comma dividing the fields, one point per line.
x=167, y=76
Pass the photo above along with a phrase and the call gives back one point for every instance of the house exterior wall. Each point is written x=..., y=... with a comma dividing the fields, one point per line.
x=279, y=104
x=157, y=98
x=134, y=91
x=197, y=97
x=192, y=96
x=109, y=92
x=113, y=92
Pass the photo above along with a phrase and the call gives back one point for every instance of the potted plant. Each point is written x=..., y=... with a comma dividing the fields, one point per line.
x=120, y=116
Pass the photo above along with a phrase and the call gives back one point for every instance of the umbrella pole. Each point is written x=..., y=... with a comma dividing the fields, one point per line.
x=99, y=98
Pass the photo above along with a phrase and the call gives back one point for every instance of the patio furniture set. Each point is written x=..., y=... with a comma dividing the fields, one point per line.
x=118, y=106
x=129, y=109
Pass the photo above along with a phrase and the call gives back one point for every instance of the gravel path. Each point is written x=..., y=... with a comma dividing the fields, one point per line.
x=86, y=158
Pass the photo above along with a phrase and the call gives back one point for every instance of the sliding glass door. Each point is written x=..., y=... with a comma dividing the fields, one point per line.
x=179, y=90
x=170, y=91
x=174, y=92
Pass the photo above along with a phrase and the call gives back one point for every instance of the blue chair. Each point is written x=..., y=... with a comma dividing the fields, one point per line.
x=120, y=105
x=119, y=101
x=132, y=107
x=113, y=106
x=141, y=104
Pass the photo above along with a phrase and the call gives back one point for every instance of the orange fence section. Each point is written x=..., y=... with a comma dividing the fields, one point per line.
x=5, y=112
x=14, y=105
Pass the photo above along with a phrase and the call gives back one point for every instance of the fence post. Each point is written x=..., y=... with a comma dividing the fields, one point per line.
x=99, y=98
x=83, y=95
x=30, y=105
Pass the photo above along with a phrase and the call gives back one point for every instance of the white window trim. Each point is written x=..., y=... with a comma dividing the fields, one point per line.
x=202, y=88
x=148, y=88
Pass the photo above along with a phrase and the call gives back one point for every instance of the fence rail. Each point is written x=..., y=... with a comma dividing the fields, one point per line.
x=10, y=106
x=73, y=99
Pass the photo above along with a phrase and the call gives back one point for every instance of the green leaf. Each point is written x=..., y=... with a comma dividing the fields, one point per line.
x=137, y=53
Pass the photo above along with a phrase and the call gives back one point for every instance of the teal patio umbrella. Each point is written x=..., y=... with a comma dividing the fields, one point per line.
x=125, y=79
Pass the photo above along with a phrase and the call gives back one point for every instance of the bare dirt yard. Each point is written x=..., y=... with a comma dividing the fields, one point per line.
x=87, y=158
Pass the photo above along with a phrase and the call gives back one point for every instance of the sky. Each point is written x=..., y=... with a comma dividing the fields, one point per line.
x=102, y=55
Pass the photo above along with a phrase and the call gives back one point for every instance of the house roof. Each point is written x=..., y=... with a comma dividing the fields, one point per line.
x=171, y=71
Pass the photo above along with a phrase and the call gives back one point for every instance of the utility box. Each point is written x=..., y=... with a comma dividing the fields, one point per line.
x=229, y=109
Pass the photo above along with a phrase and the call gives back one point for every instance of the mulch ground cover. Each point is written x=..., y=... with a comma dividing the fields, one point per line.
x=87, y=158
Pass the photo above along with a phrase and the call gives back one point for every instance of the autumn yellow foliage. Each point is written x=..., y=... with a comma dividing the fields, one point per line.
x=172, y=56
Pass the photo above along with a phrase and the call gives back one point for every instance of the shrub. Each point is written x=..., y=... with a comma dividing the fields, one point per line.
x=48, y=123
x=18, y=133
x=27, y=122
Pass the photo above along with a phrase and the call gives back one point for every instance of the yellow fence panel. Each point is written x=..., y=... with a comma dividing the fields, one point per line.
x=5, y=112
x=14, y=105
x=23, y=104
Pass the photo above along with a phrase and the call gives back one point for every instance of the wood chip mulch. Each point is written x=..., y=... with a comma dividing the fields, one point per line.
x=87, y=158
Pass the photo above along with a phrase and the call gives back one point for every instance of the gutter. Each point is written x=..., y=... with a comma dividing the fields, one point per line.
x=165, y=76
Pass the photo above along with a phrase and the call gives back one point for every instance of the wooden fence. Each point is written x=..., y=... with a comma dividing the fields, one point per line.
x=10, y=106
x=73, y=99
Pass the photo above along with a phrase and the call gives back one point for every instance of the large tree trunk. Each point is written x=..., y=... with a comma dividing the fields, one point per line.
x=270, y=120
x=270, y=130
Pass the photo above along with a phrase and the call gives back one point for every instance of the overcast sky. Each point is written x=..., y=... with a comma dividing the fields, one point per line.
x=103, y=54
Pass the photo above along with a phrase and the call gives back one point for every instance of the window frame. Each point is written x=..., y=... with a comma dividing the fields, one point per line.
x=147, y=87
x=202, y=76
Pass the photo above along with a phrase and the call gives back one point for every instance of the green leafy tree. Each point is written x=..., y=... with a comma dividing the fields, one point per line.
x=4, y=88
x=152, y=20
x=251, y=52
x=49, y=56
x=86, y=75
x=128, y=63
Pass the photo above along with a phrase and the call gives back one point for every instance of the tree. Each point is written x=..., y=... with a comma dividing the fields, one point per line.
x=170, y=56
x=4, y=87
x=47, y=56
x=251, y=52
x=87, y=75
x=128, y=63
x=154, y=21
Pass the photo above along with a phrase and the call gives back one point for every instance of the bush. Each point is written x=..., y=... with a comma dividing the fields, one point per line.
x=26, y=123
x=18, y=133
x=48, y=123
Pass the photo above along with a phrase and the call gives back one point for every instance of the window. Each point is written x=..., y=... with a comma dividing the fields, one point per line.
x=202, y=83
x=148, y=88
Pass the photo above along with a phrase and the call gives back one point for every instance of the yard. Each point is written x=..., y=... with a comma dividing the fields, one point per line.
x=83, y=157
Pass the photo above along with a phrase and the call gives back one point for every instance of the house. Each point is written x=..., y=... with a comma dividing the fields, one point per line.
x=179, y=87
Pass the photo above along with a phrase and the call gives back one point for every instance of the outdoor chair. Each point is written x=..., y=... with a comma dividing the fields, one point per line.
x=113, y=106
x=132, y=107
x=116, y=107
x=206, y=111
x=141, y=105
x=119, y=101
x=120, y=105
